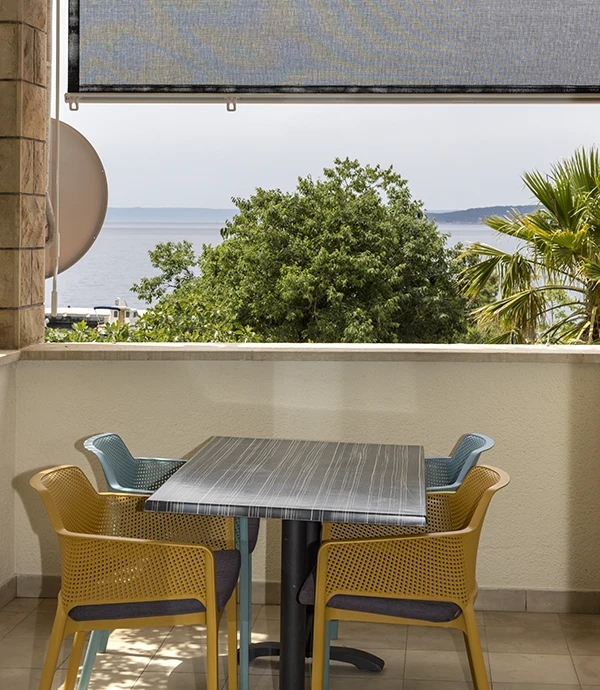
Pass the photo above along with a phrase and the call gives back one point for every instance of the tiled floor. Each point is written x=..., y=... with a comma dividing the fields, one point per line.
x=524, y=651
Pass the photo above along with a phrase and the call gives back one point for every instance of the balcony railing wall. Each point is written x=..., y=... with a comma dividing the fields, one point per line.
x=542, y=539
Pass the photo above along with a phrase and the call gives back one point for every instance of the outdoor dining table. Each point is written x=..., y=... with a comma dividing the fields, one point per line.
x=301, y=483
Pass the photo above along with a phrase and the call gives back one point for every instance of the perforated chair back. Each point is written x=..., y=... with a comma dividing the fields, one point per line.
x=435, y=563
x=95, y=530
x=126, y=473
x=447, y=474
x=71, y=501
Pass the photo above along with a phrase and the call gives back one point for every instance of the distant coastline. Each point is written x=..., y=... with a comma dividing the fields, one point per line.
x=157, y=216
x=475, y=216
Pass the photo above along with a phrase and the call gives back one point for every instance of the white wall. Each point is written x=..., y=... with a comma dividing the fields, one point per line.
x=543, y=531
x=7, y=470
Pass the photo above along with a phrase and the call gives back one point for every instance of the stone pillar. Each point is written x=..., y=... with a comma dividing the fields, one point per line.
x=22, y=171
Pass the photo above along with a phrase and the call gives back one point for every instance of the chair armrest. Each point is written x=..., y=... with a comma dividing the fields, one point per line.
x=443, y=489
x=426, y=566
x=172, y=461
x=119, y=570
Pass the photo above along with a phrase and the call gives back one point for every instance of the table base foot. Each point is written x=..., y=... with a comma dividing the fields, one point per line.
x=364, y=661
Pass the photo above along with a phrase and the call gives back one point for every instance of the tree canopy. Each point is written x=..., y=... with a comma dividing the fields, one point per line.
x=350, y=257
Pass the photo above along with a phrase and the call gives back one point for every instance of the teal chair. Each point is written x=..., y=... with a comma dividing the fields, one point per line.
x=441, y=474
x=448, y=473
x=125, y=473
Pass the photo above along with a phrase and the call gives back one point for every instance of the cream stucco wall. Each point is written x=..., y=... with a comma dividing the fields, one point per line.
x=7, y=470
x=543, y=532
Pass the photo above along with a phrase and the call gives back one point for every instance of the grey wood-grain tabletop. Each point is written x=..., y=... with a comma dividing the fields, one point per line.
x=299, y=480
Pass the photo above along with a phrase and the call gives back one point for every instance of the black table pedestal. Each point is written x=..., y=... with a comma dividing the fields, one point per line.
x=299, y=545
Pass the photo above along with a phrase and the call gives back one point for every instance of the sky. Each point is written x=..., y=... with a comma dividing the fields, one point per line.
x=453, y=155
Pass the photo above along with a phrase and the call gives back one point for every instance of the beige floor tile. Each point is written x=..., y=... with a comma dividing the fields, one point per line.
x=439, y=665
x=188, y=641
x=268, y=611
x=532, y=668
x=36, y=624
x=116, y=662
x=529, y=620
x=9, y=621
x=28, y=652
x=48, y=605
x=523, y=639
x=112, y=680
x=167, y=665
x=271, y=682
x=186, y=661
x=584, y=641
x=588, y=669
x=146, y=641
x=393, y=669
x=375, y=683
x=265, y=629
x=440, y=639
x=23, y=604
x=175, y=681
x=533, y=686
x=371, y=635
x=27, y=679
x=339, y=683
x=266, y=666
x=266, y=682
x=435, y=685
x=579, y=620
x=256, y=609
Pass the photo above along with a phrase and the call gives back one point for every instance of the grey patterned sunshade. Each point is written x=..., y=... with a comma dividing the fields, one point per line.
x=333, y=47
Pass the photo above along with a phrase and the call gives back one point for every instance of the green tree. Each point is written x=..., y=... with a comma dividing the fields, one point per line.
x=350, y=257
x=549, y=288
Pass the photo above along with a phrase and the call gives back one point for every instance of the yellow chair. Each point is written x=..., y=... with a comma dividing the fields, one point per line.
x=126, y=568
x=424, y=577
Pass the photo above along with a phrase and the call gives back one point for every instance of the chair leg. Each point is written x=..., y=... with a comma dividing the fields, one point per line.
x=245, y=602
x=319, y=660
x=94, y=645
x=473, y=644
x=53, y=653
x=104, y=635
x=212, y=657
x=73, y=668
x=334, y=629
x=330, y=626
x=232, y=643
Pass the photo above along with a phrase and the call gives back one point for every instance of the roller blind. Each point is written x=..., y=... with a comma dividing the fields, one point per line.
x=328, y=48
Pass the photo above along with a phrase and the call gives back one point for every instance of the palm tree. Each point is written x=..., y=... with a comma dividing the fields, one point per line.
x=549, y=288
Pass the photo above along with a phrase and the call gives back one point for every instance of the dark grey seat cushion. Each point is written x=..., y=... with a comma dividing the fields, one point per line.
x=227, y=568
x=253, y=525
x=432, y=611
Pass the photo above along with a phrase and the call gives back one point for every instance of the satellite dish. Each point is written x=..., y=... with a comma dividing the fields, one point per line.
x=83, y=197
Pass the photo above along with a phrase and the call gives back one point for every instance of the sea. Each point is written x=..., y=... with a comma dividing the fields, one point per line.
x=119, y=258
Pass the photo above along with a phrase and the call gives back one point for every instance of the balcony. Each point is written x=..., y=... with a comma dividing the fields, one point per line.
x=540, y=553
x=539, y=562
